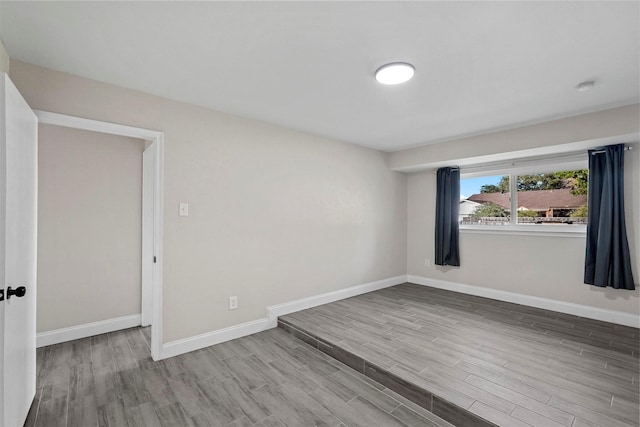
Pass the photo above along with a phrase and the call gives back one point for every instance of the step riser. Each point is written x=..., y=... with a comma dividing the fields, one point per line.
x=447, y=411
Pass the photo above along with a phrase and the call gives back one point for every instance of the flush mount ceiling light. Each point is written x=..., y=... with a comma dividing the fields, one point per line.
x=585, y=86
x=395, y=73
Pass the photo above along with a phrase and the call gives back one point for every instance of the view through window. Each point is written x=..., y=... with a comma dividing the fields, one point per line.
x=545, y=198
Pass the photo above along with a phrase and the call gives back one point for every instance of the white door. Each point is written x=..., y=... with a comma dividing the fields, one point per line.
x=18, y=220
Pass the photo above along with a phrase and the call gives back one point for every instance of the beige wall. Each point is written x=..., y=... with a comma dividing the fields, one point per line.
x=547, y=267
x=89, y=227
x=4, y=59
x=275, y=214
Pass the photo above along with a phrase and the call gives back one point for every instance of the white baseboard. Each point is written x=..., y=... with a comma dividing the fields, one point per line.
x=302, y=304
x=186, y=345
x=175, y=348
x=595, y=313
x=87, y=330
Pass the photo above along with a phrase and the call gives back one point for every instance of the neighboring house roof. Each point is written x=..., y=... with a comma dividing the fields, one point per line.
x=500, y=199
x=534, y=200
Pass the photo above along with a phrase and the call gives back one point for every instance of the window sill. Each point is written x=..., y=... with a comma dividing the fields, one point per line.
x=538, y=230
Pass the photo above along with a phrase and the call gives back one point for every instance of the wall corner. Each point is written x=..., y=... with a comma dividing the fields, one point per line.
x=4, y=59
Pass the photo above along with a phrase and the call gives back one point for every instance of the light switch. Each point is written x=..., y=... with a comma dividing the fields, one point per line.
x=184, y=209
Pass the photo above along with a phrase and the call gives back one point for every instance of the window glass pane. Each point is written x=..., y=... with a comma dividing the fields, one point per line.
x=553, y=198
x=485, y=200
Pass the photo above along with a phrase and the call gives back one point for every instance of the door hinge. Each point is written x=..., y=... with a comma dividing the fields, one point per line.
x=154, y=259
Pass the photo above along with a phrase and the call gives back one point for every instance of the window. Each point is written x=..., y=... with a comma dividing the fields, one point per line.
x=485, y=200
x=553, y=200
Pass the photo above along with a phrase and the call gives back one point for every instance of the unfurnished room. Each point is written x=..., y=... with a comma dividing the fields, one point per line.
x=320, y=213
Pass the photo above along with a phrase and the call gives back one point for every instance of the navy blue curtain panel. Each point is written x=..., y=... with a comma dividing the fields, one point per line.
x=447, y=207
x=607, y=260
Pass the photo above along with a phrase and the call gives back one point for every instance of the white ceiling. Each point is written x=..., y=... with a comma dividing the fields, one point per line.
x=480, y=66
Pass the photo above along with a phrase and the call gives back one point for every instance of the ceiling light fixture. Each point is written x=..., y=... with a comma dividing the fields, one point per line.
x=395, y=73
x=585, y=86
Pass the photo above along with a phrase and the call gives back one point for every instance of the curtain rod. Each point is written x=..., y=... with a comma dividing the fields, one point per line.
x=604, y=151
x=456, y=168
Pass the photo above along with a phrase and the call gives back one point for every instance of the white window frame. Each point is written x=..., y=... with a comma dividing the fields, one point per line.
x=526, y=167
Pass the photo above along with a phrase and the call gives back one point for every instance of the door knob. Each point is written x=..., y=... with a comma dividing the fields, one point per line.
x=19, y=292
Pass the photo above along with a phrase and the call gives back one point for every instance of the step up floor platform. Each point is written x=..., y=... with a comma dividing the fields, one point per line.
x=474, y=361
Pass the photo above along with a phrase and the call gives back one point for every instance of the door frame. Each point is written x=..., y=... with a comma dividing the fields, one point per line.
x=152, y=208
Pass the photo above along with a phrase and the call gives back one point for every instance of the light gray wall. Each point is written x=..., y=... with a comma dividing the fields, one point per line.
x=4, y=59
x=546, y=267
x=89, y=227
x=275, y=214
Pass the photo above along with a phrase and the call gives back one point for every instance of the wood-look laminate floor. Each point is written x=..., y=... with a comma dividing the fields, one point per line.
x=512, y=365
x=266, y=379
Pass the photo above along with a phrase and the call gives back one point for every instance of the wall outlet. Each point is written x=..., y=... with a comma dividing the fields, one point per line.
x=427, y=262
x=183, y=209
x=233, y=303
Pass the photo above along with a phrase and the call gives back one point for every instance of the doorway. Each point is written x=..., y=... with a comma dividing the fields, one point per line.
x=152, y=179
